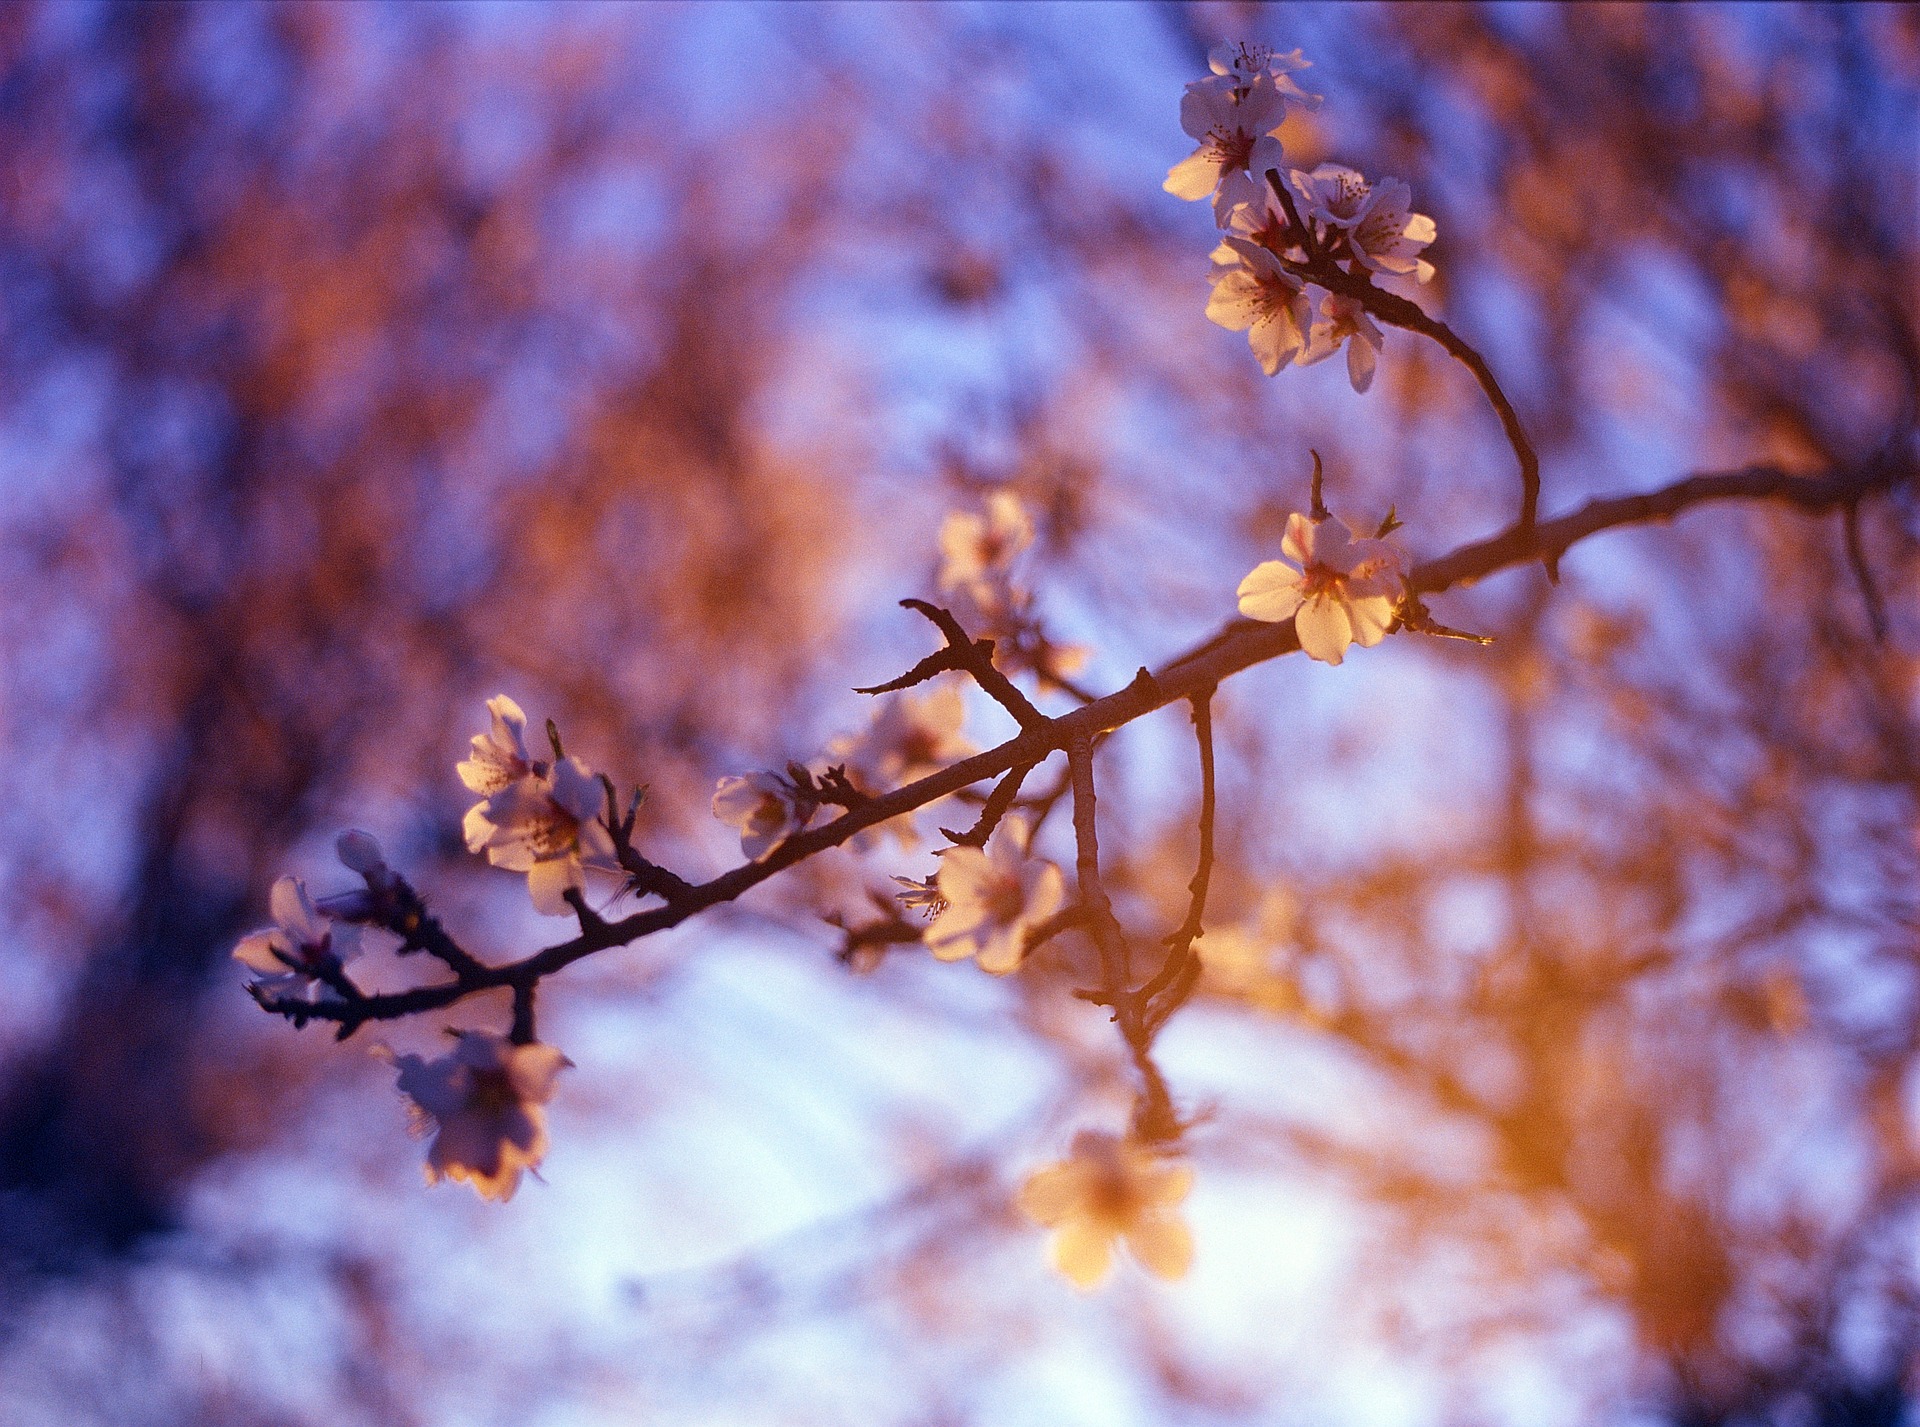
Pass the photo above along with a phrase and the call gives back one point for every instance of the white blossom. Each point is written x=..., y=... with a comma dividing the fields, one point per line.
x=1261, y=298
x=993, y=899
x=1390, y=235
x=535, y=817
x=766, y=807
x=1246, y=61
x=1109, y=1189
x=1381, y=228
x=484, y=1097
x=1343, y=592
x=1344, y=319
x=301, y=942
x=1235, y=131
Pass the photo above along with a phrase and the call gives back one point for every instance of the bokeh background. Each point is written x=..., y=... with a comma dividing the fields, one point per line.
x=358, y=362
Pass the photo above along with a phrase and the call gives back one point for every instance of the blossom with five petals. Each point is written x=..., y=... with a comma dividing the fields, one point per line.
x=1256, y=295
x=1343, y=592
x=1107, y=1189
x=485, y=1098
x=993, y=899
x=290, y=954
x=1342, y=318
x=767, y=808
x=535, y=817
x=1235, y=129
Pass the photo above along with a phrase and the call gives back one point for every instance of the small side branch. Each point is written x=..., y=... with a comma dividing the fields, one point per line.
x=1180, y=970
x=992, y=811
x=974, y=656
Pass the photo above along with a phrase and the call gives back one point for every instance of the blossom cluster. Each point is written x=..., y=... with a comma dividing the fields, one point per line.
x=1277, y=223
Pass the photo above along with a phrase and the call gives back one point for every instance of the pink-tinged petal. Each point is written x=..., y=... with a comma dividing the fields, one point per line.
x=1298, y=543
x=437, y=1086
x=1370, y=617
x=1194, y=176
x=1420, y=229
x=1053, y=1193
x=1166, y=1184
x=477, y=828
x=1333, y=545
x=964, y=875
x=1083, y=1251
x=1164, y=1247
x=534, y=1070
x=1046, y=894
x=1235, y=302
x=548, y=882
x=1324, y=631
x=1360, y=363
x=577, y=790
x=596, y=844
x=1266, y=154
x=1205, y=105
x=1271, y=592
x=509, y=724
x=1423, y=271
x=1274, y=339
x=256, y=950
x=1003, y=951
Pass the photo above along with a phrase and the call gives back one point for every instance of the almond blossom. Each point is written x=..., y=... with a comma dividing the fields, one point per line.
x=291, y=954
x=1235, y=129
x=1343, y=592
x=1343, y=318
x=910, y=737
x=1256, y=295
x=484, y=1098
x=766, y=807
x=993, y=899
x=1381, y=228
x=1245, y=61
x=1111, y=1188
x=535, y=817
x=977, y=548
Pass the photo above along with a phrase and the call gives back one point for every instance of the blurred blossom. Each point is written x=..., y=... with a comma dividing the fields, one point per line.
x=911, y=736
x=1342, y=318
x=977, y=549
x=994, y=899
x=1111, y=1189
x=767, y=808
x=483, y=1103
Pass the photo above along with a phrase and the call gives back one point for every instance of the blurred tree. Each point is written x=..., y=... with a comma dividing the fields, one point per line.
x=358, y=363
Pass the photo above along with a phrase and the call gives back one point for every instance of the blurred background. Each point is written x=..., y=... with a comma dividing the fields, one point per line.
x=1556, y=1060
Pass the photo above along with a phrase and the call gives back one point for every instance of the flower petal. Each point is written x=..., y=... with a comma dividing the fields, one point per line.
x=1324, y=630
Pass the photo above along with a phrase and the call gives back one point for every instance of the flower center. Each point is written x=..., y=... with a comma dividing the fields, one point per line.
x=491, y=1092
x=1319, y=581
x=1233, y=147
x=1006, y=899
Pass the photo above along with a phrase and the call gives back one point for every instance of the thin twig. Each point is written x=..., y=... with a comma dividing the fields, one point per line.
x=1863, y=573
x=995, y=808
x=1180, y=944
